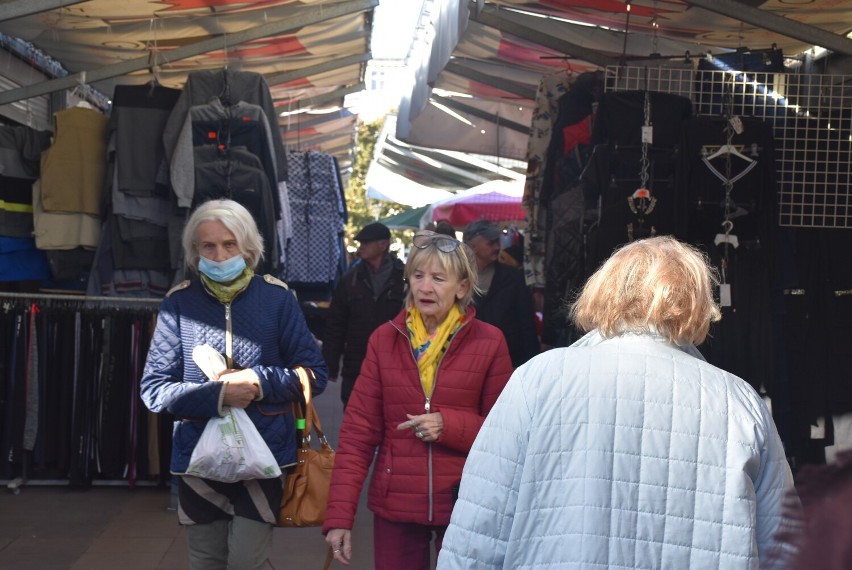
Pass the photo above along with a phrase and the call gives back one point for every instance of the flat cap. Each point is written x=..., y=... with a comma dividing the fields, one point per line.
x=484, y=228
x=373, y=232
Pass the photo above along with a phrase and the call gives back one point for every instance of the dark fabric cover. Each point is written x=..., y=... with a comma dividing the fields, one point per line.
x=355, y=312
x=508, y=306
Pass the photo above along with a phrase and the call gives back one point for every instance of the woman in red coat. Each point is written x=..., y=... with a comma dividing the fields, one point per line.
x=429, y=378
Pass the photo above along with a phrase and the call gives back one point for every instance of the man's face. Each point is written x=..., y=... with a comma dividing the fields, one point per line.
x=485, y=250
x=372, y=250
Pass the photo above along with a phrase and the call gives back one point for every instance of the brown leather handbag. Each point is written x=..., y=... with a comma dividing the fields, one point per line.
x=306, y=484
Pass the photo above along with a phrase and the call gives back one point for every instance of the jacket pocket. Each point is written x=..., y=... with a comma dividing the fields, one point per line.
x=384, y=472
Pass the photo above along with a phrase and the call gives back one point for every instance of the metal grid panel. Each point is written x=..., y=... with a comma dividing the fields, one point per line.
x=811, y=116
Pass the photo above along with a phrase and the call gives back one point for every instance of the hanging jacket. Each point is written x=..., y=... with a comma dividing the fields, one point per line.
x=627, y=452
x=412, y=481
x=72, y=169
x=269, y=335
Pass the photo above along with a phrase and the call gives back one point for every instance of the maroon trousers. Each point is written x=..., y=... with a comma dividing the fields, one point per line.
x=404, y=545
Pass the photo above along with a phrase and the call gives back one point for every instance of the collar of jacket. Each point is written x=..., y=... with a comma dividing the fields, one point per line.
x=594, y=338
x=362, y=270
x=217, y=299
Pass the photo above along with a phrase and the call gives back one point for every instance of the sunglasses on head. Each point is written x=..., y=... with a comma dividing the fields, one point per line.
x=425, y=238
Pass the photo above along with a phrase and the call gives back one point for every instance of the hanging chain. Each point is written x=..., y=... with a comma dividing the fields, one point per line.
x=641, y=202
x=655, y=24
x=727, y=224
x=644, y=163
x=654, y=36
x=729, y=138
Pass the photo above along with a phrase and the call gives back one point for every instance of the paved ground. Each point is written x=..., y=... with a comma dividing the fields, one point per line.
x=107, y=527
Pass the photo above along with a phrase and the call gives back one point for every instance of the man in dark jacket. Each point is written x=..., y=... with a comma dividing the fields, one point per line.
x=370, y=293
x=506, y=302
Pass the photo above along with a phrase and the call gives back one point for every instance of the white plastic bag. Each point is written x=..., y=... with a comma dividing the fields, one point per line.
x=209, y=360
x=231, y=449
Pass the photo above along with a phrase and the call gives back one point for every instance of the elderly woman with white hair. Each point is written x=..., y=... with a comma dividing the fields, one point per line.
x=258, y=328
x=429, y=379
x=627, y=449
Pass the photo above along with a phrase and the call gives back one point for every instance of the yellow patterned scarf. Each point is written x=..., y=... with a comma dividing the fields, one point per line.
x=428, y=349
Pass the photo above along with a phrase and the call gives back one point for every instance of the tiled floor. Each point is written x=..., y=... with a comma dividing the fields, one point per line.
x=108, y=527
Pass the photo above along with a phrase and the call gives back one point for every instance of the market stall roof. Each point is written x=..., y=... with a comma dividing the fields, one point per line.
x=474, y=84
x=408, y=220
x=495, y=201
x=485, y=64
x=311, y=52
x=417, y=176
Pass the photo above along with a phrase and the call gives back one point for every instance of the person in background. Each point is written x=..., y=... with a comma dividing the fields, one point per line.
x=505, y=300
x=819, y=531
x=446, y=228
x=368, y=294
x=257, y=325
x=428, y=381
x=626, y=449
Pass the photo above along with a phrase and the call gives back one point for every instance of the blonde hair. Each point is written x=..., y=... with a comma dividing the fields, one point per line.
x=656, y=284
x=460, y=263
x=233, y=216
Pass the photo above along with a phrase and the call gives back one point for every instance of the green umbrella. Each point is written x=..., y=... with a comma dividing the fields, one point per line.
x=407, y=220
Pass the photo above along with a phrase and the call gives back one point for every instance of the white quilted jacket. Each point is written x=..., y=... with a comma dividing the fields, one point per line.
x=621, y=453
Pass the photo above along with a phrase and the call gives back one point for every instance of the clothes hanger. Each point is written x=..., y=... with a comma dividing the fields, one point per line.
x=727, y=236
x=728, y=149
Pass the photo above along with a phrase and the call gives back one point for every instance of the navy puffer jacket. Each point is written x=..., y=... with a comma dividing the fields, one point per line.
x=270, y=336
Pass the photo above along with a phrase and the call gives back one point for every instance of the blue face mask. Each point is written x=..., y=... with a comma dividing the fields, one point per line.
x=222, y=271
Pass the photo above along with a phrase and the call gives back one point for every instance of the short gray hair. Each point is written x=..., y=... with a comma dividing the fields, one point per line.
x=233, y=216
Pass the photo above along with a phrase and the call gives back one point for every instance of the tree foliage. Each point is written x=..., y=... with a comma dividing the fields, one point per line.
x=361, y=210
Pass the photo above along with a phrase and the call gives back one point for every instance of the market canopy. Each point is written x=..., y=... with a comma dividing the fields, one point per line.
x=473, y=85
x=489, y=57
x=312, y=53
x=417, y=176
x=409, y=220
x=495, y=201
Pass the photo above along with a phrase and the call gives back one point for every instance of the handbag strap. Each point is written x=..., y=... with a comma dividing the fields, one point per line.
x=312, y=421
x=305, y=381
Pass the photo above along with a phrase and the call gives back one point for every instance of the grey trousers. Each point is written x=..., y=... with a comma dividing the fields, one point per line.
x=236, y=544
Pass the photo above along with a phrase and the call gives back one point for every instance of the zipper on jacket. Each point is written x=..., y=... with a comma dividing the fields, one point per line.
x=229, y=331
x=427, y=406
x=429, y=470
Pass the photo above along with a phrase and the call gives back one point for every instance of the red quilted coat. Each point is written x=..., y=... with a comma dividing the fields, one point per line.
x=412, y=481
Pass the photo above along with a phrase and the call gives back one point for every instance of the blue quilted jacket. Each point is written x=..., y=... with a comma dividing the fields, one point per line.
x=270, y=336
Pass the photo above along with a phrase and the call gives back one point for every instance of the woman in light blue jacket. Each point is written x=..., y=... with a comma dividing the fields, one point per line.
x=627, y=449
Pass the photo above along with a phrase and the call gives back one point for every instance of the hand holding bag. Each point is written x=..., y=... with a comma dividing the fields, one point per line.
x=306, y=485
x=231, y=449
